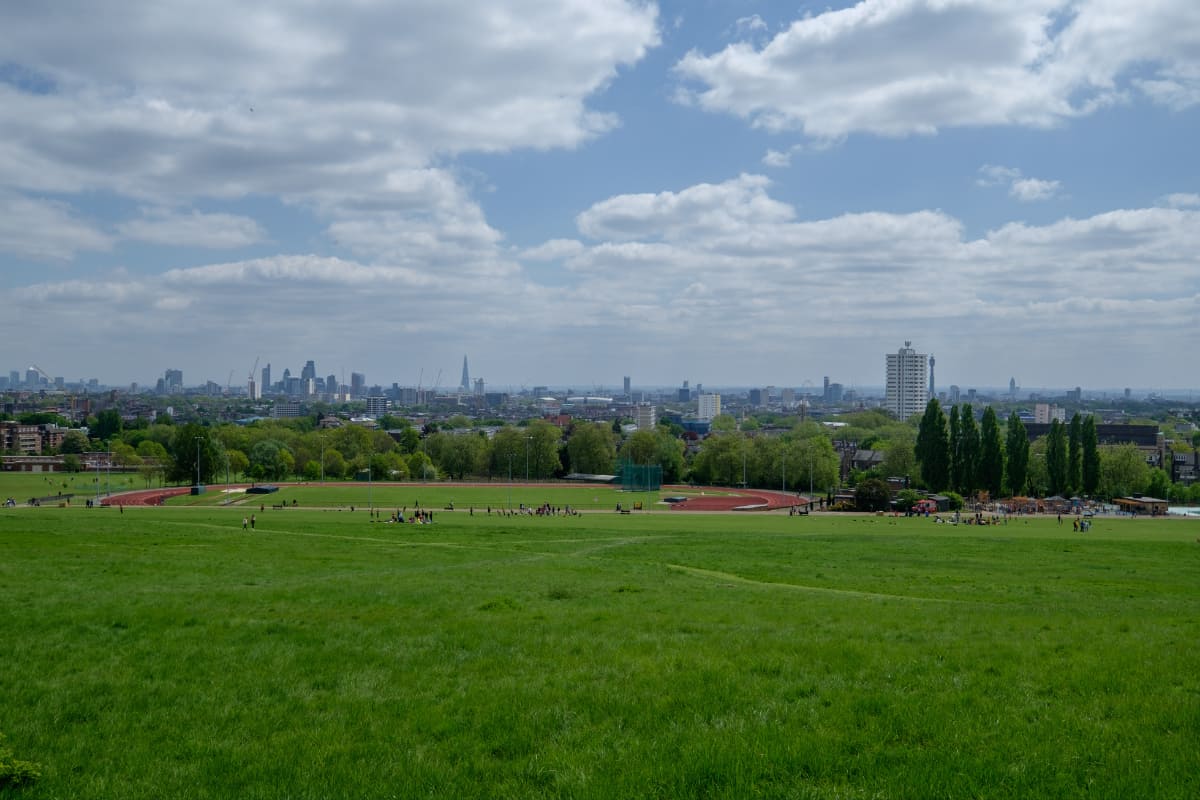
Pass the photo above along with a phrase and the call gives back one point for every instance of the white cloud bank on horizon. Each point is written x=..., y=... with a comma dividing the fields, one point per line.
x=652, y=269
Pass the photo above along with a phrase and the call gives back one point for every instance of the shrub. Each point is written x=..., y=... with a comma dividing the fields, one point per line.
x=14, y=772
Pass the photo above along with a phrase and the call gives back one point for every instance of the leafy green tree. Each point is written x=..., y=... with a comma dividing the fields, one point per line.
x=991, y=454
x=932, y=450
x=335, y=463
x=591, y=449
x=543, y=444
x=658, y=446
x=421, y=466
x=239, y=463
x=1090, y=468
x=1056, y=459
x=506, y=457
x=640, y=448
x=108, y=424
x=721, y=459
x=906, y=499
x=872, y=494
x=1075, y=454
x=1123, y=470
x=966, y=467
x=270, y=460
x=898, y=459
x=1159, y=484
x=124, y=456
x=74, y=442
x=458, y=454
x=723, y=423
x=1017, y=451
x=72, y=463
x=183, y=454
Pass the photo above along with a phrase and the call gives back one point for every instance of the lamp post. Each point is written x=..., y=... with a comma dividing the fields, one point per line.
x=810, y=475
x=370, y=486
x=527, y=438
x=510, y=455
x=198, y=438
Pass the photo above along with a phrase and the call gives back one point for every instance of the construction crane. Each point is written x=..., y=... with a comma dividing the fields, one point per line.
x=42, y=372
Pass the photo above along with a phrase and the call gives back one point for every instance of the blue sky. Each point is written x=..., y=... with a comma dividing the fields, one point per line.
x=726, y=192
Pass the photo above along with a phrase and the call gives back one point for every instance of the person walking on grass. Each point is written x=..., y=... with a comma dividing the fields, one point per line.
x=245, y=522
x=251, y=522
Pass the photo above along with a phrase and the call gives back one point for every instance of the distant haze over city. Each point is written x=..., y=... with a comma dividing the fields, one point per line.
x=733, y=194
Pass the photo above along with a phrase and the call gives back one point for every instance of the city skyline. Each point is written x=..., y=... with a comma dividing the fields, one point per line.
x=736, y=194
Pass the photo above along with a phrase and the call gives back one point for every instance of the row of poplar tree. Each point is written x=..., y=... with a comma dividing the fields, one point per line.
x=956, y=453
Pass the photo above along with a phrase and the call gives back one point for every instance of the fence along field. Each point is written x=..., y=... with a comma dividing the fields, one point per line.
x=164, y=652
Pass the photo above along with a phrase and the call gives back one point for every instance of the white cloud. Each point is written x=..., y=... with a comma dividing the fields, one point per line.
x=655, y=268
x=1027, y=190
x=1181, y=200
x=553, y=250
x=708, y=208
x=777, y=158
x=900, y=67
x=45, y=230
x=194, y=229
x=344, y=111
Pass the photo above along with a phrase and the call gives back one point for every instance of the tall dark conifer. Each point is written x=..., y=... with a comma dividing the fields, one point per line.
x=933, y=448
x=955, y=435
x=968, y=452
x=1075, y=454
x=1017, y=452
x=991, y=454
x=1056, y=458
x=1091, y=456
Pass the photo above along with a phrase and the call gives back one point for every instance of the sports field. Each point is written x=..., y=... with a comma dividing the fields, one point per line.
x=164, y=652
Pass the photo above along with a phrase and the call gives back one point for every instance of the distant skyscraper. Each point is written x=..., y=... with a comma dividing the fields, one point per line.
x=266, y=379
x=173, y=379
x=309, y=371
x=358, y=384
x=331, y=384
x=708, y=406
x=465, y=385
x=906, y=390
x=628, y=393
x=1012, y=388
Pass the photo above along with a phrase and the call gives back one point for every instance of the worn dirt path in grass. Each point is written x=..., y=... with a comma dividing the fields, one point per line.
x=729, y=576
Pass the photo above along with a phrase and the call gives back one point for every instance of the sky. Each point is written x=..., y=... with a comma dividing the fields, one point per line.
x=728, y=192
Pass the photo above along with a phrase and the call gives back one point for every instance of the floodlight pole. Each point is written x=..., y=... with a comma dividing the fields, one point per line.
x=198, y=461
x=510, y=455
x=527, y=438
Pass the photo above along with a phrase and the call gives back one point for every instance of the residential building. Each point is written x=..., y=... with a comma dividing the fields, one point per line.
x=906, y=392
x=709, y=406
x=646, y=416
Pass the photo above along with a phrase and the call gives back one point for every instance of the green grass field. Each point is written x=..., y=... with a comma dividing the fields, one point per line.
x=165, y=653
